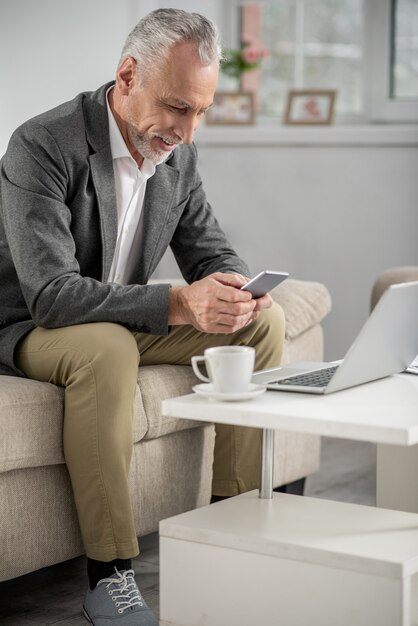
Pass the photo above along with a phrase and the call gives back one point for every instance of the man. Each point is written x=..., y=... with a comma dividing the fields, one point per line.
x=92, y=194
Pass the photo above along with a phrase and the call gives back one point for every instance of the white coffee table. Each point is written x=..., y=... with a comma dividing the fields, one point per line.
x=290, y=560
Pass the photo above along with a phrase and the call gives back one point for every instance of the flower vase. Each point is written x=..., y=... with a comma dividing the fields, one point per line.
x=250, y=82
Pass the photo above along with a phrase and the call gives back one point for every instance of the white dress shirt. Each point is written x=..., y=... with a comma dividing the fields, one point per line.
x=130, y=184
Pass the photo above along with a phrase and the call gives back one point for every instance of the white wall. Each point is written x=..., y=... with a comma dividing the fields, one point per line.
x=339, y=214
x=336, y=214
x=51, y=50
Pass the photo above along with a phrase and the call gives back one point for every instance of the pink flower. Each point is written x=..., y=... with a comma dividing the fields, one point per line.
x=251, y=55
x=247, y=58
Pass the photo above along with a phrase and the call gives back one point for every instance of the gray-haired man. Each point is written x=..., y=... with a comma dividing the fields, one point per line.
x=92, y=194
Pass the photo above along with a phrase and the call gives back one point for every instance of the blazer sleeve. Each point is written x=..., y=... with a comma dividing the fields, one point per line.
x=41, y=250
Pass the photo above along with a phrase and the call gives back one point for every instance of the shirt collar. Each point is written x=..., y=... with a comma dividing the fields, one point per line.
x=118, y=147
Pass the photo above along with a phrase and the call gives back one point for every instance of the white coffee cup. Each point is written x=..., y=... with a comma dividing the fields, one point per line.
x=230, y=368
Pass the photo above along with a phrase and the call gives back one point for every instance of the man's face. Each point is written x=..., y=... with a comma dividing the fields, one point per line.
x=166, y=109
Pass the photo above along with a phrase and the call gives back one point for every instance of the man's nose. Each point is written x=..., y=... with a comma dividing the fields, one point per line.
x=187, y=128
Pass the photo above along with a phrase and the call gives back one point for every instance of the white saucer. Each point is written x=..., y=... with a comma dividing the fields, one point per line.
x=207, y=391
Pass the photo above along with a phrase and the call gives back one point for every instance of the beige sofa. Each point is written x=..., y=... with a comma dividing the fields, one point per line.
x=172, y=459
x=391, y=276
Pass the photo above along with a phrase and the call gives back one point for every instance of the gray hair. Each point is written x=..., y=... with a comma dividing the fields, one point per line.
x=150, y=42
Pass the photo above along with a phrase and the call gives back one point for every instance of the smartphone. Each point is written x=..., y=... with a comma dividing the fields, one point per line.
x=264, y=282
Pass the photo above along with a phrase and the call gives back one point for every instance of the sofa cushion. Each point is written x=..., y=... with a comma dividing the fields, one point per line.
x=30, y=423
x=31, y=415
x=304, y=304
x=159, y=382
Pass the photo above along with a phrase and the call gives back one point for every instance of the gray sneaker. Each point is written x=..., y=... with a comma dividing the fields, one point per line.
x=117, y=600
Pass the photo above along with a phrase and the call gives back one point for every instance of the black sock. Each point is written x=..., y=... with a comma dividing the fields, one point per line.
x=218, y=498
x=96, y=570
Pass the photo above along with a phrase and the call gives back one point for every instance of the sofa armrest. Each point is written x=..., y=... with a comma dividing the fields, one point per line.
x=391, y=276
x=304, y=303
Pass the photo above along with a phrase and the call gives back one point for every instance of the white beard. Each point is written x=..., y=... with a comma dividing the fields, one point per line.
x=142, y=143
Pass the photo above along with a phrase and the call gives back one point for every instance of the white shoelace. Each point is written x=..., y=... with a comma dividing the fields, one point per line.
x=125, y=587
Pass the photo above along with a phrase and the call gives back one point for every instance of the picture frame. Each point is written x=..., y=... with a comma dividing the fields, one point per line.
x=313, y=107
x=231, y=107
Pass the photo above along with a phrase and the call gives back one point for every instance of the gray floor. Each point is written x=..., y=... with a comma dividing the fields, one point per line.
x=54, y=595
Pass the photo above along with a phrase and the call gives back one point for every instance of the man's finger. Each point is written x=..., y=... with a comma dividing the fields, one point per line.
x=265, y=302
x=232, y=294
x=236, y=309
x=231, y=280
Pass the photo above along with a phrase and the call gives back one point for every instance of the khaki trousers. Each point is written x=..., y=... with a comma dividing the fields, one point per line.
x=97, y=364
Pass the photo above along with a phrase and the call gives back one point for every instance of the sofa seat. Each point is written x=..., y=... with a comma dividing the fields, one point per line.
x=32, y=434
x=171, y=467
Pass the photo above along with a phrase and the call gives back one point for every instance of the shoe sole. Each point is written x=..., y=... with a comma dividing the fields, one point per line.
x=86, y=616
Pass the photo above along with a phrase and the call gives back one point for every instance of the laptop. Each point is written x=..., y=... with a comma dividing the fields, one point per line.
x=386, y=345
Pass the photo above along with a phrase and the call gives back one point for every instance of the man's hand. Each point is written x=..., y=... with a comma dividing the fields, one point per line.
x=215, y=304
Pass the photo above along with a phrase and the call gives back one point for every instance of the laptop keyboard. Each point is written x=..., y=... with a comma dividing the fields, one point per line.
x=320, y=378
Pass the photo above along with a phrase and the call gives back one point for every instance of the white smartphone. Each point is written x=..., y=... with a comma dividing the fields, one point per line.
x=264, y=282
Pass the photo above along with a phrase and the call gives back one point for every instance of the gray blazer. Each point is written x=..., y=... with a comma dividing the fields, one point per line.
x=58, y=228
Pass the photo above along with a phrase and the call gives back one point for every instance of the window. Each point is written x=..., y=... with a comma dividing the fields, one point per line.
x=404, y=50
x=365, y=49
x=315, y=44
x=392, y=60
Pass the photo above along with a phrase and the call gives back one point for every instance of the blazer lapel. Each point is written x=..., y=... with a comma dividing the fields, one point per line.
x=103, y=179
x=158, y=197
x=156, y=211
x=97, y=130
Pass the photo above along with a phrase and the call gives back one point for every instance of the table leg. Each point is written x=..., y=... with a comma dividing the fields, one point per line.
x=267, y=460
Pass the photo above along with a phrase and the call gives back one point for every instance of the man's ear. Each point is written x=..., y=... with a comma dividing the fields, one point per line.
x=126, y=76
